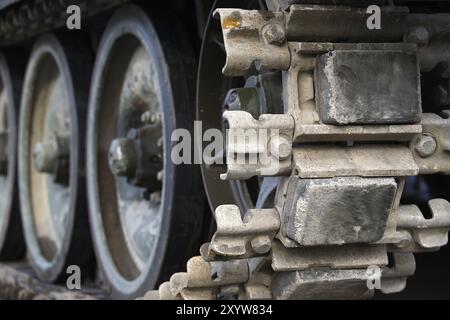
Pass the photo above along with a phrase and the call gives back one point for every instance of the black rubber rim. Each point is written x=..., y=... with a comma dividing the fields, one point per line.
x=12, y=245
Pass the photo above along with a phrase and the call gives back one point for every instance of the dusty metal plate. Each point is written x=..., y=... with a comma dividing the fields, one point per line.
x=321, y=284
x=368, y=87
x=362, y=160
x=328, y=132
x=337, y=211
x=353, y=256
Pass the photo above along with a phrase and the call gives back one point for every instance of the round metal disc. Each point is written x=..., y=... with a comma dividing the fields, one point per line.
x=143, y=229
x=51, y=115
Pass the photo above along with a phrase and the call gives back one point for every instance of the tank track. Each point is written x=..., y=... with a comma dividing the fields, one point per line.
x=25, y=20
x=17, y=282
x=253, y=254
x=348, y=272
x=270, y=253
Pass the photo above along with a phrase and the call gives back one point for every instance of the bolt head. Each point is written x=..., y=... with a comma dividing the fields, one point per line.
x=122, y=157
x=45, y=156
x=150, y=117
x=145, y=117
x=274, y=34
x=261, y=244
x=155, y=197
x=280, y=147
x=425, y=146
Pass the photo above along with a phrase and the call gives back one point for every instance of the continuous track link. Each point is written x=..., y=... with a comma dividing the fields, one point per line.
x=329, y=221
x=17, y=282
x=337, y=229
x=25, y=20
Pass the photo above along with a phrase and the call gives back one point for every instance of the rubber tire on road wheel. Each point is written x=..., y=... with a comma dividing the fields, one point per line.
x=12, y=245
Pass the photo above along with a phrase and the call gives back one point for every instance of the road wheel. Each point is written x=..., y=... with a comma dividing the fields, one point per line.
x=51, y=156
x=146, y=212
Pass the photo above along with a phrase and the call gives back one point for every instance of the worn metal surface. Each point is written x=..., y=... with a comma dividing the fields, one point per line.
x=324, y=133
x=347, y=81
x=300, y=89
x=227, y=268
x=394, y=278
x=257, y=147
x=203, y=274
x=253, y=39
x=435, y=158
x=340, y=204
x=242, y=237
x=324, y=161
x=321, y=284
x=334, y=257
x=428, y=233
x=337, y=211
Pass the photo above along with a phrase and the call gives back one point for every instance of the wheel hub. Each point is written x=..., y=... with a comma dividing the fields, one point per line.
x=139, y=156
x=51, y=156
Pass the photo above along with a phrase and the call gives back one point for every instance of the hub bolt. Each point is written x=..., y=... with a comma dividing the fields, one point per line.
x=425, y=146
x=274, y=34
x=46, y=156
x=122, y=157
x=155, y=197
x=261, y=244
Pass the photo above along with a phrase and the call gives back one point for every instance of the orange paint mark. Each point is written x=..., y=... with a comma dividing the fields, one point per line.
x=229, y=23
